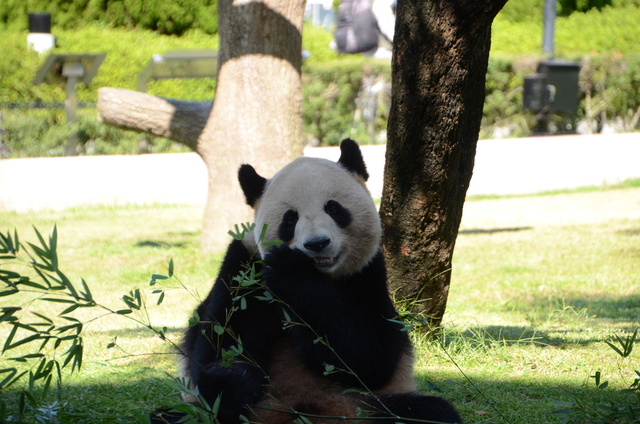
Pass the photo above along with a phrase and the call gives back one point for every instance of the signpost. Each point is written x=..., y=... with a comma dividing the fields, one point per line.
x=179, y=64
x=70, y=69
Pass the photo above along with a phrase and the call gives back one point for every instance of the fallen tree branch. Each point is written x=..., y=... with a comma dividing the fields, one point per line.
x=176, y=120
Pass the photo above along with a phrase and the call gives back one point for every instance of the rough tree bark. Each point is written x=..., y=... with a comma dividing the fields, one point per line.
x=441, y=51
x=257, y=114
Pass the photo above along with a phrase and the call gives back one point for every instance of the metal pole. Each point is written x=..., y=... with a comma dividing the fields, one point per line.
x=70, y=105
x=72, y=71
x=549, y=28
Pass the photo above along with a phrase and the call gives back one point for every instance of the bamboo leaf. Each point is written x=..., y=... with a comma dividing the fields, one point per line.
x=77, y=362
x=10, y=373
x=16, y=243
x=58, y=300
x=67, y=284
x=45, y=318
x=7, y=343
x=155, y=277
x=47, y=385
x=53, y=245
x=29, y=283
x=77, y=327
x=615, y=348
x=86, y=294
x=70, y=309
x=263, y=233
x=26, y=340
x=287, y=318
x=9, y=292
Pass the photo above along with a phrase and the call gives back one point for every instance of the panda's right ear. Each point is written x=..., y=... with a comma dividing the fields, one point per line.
x=252, y=184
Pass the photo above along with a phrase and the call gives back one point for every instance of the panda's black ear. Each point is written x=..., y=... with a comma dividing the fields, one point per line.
x=351, y=158
x=252, y=184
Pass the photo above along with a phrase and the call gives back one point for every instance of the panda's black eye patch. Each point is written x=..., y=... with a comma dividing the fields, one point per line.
x=287, y=226
x=338, y=213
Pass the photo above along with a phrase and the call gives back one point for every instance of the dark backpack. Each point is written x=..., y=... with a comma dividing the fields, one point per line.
x=356, y=30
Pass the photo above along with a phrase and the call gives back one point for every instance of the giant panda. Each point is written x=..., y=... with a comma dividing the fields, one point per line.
x=316, y=337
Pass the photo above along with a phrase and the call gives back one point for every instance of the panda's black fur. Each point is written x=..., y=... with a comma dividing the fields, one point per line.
x=338, y=305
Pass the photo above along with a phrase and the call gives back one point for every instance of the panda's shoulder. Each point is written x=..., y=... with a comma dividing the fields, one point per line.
x=375, y=269
x=238, y=255
x=237, y=258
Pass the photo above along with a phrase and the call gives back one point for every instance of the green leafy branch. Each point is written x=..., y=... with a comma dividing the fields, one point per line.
x=42, y=344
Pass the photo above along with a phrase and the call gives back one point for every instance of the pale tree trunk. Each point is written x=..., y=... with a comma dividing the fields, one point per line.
x=441, y=51
x=256, y=116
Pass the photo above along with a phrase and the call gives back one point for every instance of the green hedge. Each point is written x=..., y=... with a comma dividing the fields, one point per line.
x=332, y=83
x=347, y=98
x=165, y=17
x=128, y=52
x=608, y=31
x=333, y=107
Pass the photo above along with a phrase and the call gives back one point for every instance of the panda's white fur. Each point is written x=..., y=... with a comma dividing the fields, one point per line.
x=305, y=185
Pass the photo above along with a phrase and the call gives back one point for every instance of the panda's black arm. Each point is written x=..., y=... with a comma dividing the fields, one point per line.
x=353, y=315
x=248, y=330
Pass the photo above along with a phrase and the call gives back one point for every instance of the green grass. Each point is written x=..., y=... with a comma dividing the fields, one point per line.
x=539, y=284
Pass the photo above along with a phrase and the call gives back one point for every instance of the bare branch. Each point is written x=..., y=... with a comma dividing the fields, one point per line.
x=177, y=120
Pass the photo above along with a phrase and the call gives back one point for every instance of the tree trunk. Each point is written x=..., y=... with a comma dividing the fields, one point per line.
x=441, y=51
x=257, y=114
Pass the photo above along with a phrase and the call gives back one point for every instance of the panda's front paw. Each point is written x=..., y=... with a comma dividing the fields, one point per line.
x=283, y=263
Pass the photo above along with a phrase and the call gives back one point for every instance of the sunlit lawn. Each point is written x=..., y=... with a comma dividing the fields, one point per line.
x=539, y=284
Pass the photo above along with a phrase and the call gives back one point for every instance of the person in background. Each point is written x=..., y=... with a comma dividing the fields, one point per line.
x=385, y=14
x=363, y=27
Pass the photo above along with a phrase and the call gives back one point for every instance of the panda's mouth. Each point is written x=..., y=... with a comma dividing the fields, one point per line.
x=323, y=261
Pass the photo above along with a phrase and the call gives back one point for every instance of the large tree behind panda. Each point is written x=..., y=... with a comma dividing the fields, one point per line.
x=321, y=323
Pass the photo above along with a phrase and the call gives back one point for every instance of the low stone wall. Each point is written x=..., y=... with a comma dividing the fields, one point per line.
x=505, y=166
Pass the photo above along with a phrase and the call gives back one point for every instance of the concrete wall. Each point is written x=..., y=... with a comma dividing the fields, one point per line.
x=506, y=166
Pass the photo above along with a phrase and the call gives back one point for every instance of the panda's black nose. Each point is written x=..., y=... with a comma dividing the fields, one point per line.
x=317, y=245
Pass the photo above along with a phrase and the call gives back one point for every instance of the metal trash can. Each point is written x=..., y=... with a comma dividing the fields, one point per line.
x=562, y=83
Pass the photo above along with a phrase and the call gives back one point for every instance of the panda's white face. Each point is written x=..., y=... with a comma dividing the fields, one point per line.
x=325, y=211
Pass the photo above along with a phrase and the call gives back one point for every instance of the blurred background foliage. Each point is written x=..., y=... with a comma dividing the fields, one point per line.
x=344, y=95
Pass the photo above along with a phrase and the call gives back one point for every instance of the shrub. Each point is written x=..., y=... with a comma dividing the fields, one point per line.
x=611, y=91
x=175, y=17
x=522, y=11
x=337, y=89
x=334, y=104
x=598, y=31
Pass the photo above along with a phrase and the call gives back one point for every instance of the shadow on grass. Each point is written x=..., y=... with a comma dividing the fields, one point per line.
x=140, y=332
x=474, y=231
x=621, y=310
x=162, y=244
x=616, y=308
x=517, y=400
x=172, y=239
x=561, y=321
x=478, y=399
x=117, y=401
x=486, y=337
x=631, y=232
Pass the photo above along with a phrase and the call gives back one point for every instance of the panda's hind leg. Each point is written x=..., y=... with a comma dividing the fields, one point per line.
x=415, y=406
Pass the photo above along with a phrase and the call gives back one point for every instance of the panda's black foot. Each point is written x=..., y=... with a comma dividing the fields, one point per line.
x=421, y=407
